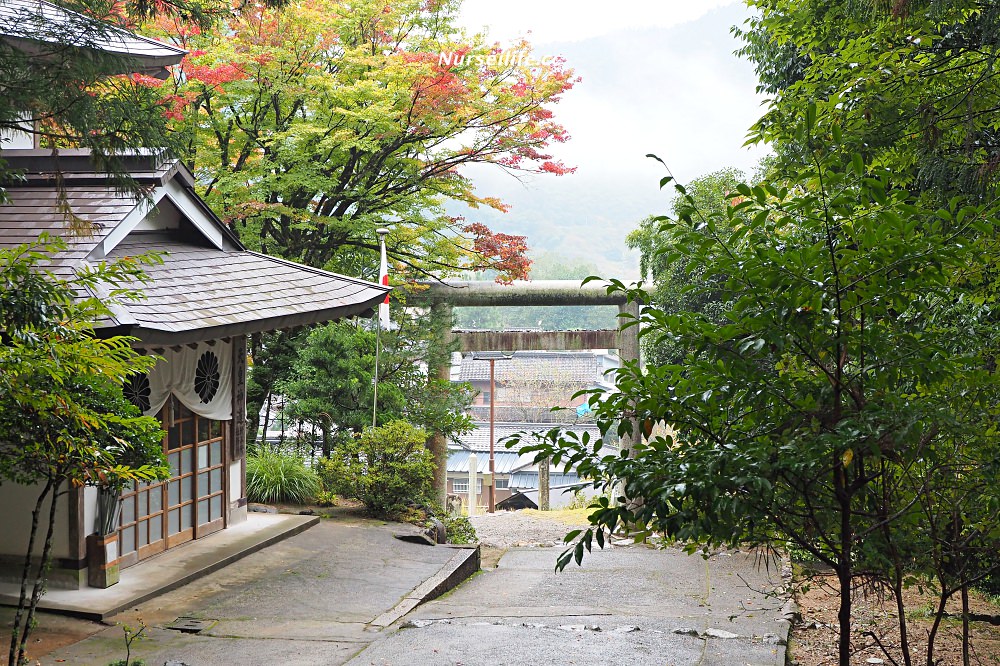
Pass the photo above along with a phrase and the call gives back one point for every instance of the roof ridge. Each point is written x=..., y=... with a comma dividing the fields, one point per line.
x=320, y=271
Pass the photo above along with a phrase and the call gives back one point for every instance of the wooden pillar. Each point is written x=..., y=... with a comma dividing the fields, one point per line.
x=238, y=430
x=439, y=367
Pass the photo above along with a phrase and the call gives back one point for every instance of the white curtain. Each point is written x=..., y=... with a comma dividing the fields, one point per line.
x=200, y=377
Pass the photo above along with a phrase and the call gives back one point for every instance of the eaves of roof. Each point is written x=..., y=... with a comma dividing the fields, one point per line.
x=208, y=285
x=43, y=30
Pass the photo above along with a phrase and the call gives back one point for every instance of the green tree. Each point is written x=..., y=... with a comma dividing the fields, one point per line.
x=63, y=419
x=313, y=125
x=912, y=88
x=680, y=285
x=841, y=364
x=912, y=85
x=333, y=380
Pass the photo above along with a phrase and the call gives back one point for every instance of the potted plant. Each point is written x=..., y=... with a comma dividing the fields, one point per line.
x=102, y=546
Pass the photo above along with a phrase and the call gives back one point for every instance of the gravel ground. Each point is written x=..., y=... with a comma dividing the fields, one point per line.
x=506, y=529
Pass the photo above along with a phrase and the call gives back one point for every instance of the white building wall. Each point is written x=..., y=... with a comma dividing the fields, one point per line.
x=237, y=514
x=18, y=502
x=89, y=510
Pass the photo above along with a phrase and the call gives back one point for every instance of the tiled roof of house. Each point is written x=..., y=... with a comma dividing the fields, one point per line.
x=529, y=479
x=200, y=288
x=568, y=367
x=208, y=286
x=33, y=210
x=42, y=28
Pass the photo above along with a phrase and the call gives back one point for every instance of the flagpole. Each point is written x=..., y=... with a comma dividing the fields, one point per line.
x=378, y=334
x=383, y=314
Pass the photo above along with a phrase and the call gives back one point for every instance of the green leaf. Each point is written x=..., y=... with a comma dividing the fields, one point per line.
x=858, y=164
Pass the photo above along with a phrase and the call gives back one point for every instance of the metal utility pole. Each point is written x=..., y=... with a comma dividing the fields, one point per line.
x=492, y=357
x=493, y=438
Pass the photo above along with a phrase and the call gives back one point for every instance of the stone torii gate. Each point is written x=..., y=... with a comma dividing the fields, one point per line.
x=443, y=297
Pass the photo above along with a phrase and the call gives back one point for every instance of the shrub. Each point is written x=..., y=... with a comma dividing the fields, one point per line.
x=460, y=530
x=276, y=476
x=383, y=469
x=326, y=498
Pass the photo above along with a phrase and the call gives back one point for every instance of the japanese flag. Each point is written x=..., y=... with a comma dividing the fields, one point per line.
x=383, y=273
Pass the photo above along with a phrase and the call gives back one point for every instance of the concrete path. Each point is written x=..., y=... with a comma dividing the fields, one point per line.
x=316, y=598
x=169, y=570
x=624, y=606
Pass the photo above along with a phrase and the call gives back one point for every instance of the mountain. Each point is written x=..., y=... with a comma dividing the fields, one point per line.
x=679, y=93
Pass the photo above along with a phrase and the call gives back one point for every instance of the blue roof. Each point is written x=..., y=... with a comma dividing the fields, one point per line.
x=530, y=480
x=479, y=439
x=504, y=461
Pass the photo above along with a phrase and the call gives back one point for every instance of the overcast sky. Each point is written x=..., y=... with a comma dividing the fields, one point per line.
x=659, y=76
x=547, y=21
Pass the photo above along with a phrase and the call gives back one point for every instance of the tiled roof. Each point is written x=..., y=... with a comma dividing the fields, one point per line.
x=198, y=288
x=33, y=210
x=565, y=367
x=208, y=286
x=42, y=28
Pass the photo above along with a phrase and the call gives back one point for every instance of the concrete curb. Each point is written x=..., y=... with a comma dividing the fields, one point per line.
x=462, y=564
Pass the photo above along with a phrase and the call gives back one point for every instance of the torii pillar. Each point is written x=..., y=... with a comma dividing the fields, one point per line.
x=443, y=297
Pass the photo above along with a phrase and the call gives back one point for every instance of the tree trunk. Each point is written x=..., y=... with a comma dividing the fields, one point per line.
x=965, y=626
x=845, y=568
x=937, y=623
x=897, y=590
x=43, y=567
x=844, y=615
x=897, y=569
x=13, y=657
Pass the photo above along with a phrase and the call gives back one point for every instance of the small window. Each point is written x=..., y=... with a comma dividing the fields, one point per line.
x=503, y=484
x=486, y=397
x=462, y=487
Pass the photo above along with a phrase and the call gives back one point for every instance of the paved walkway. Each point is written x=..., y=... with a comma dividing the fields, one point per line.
x=346, y=591
x=316, y=598
x=171, y=569
x=627, y=605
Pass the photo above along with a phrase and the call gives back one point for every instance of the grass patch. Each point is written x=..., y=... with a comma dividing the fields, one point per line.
x=274, y=476
x=568, y=516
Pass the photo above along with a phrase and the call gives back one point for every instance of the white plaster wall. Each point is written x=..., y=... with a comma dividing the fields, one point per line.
x=89, y=510
x=15, y=526
x=239, y=513
x=12, y=140
x=235, y=481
